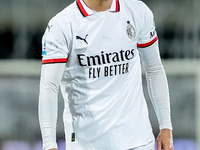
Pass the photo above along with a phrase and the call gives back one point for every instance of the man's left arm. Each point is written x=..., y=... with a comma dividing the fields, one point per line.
x=156, y=77
x=159, y=92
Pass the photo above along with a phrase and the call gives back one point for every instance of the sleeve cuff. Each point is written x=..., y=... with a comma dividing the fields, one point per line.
x=166, y=126
x=48, y=146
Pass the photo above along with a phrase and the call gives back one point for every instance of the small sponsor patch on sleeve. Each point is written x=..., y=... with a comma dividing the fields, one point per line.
x=153, y=34
x=44, y=46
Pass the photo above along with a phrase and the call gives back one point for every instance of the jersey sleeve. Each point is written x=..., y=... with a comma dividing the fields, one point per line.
x=157, y=84
x=51, y=75
x=55, y=45
x=148, y=34
x=55, y=42
x=155, y=74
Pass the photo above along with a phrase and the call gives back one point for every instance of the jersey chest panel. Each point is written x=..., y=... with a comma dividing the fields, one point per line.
x=101, y=41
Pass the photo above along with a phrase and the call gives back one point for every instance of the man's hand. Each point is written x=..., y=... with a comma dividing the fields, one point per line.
x=53, y=149
x=165, y=140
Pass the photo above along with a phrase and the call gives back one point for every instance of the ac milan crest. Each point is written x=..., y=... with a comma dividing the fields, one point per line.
x=130, y=30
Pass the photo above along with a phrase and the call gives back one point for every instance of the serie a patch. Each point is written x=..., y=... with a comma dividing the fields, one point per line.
x=44, y=53
x=73, y=137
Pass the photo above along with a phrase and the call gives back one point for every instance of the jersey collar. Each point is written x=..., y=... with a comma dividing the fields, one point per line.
x=86, y=11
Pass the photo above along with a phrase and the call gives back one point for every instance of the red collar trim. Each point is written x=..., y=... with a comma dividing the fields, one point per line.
x=85, y=13
x=117, y=6
x=81, y=8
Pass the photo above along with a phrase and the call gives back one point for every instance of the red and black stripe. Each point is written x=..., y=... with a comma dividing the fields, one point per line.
x=53, y=61
x=81, y=8
x=117, y=6
x=148, y=44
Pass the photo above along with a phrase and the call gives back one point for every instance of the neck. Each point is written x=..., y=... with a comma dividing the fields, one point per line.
x=98, y=5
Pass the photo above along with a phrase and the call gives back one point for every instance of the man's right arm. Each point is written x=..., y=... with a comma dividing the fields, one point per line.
x=55, y=46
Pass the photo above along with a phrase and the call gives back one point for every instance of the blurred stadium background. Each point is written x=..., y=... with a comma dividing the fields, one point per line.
x=22, y=24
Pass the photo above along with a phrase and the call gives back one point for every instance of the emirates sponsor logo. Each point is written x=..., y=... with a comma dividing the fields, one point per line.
x=106, y=64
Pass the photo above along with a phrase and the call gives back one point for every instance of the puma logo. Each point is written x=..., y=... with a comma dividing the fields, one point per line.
x=80, y=38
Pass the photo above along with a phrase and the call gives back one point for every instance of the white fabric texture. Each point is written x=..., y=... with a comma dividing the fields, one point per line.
x=49, y=85
x=149, y=146
x=55, y=41
x=157, y=84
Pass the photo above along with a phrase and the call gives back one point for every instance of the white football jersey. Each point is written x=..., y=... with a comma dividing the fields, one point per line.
x=105, y=108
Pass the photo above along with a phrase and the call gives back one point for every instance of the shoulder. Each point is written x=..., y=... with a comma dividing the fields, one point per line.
x=59, y=27
x=64, y=16
x=139, y=10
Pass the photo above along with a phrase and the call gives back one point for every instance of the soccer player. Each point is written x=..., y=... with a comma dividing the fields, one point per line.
x=93, y=51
